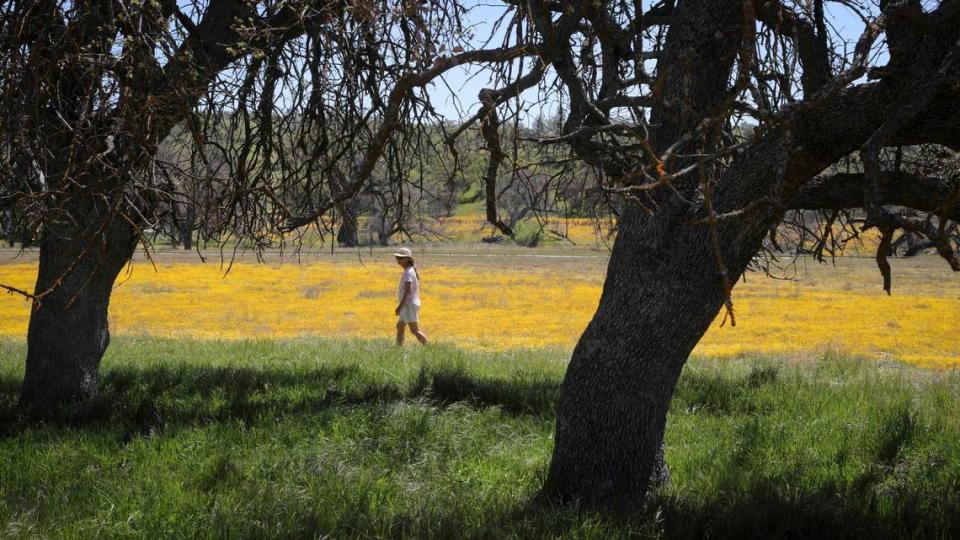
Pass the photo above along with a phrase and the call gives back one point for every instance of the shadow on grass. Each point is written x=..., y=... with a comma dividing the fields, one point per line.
x=135, y=401
x=765, y=511
x=715, y=394
x=523, y=395
x=762, y=512
x=145, y=399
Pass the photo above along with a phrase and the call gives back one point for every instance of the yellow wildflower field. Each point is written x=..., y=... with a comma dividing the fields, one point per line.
x=514, y=301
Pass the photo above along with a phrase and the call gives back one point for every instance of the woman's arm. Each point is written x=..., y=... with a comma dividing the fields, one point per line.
x=407, y=293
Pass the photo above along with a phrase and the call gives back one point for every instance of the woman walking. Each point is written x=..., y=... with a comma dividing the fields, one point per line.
x=408, y=309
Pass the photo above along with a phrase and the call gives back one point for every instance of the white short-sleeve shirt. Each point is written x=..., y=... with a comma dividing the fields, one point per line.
x=410, y=276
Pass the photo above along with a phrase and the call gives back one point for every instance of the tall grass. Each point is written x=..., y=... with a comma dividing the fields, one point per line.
x=293, y=439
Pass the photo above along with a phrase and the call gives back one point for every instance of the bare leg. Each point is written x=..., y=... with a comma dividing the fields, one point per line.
x=400, y=328
x=421, y=337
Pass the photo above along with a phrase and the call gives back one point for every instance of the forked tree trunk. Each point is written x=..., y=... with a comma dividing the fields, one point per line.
x=68, y=330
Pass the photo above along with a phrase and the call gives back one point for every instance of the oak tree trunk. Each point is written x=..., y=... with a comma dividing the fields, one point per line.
x=662, y=291
x=68, y=331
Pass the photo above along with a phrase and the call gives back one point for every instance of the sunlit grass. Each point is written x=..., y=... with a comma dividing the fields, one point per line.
x=495, y=304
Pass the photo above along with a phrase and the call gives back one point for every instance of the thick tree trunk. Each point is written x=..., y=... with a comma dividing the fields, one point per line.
x=663, y=290
x=68, y=331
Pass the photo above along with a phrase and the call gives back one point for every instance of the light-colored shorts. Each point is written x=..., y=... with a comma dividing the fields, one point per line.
x=409, y=313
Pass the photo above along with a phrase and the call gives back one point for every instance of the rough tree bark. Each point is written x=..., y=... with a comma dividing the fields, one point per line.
x=69, y=331
x=618, y=386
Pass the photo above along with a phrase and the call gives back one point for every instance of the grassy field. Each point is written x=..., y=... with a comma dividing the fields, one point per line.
x=497, y=299
x=310, y=438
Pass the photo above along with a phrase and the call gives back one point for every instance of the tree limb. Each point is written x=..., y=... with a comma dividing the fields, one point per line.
x=845, y=190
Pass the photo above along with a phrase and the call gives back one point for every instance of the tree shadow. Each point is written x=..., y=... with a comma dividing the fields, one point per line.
x=137, y=401
x=754, y=512
x=520, y=395
x=141, y=400
x=768, y=511
x=757, y=513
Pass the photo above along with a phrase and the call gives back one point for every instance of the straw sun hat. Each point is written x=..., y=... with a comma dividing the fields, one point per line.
x=404, y=252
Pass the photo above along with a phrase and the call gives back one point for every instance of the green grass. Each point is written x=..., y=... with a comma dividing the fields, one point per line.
x=359, y=439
